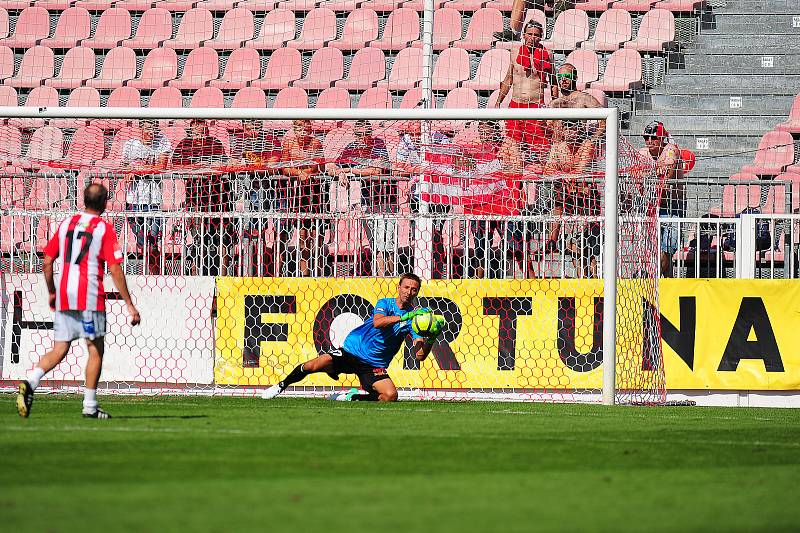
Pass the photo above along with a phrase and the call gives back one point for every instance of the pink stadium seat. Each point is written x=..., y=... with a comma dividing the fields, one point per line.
x=681, y=6
x=461, y=98
x=793, y=124
x=599, y=95
x=367, y=68
x=118, y=67
x=360, y=27
x=587, y=65
x=571, y=29
x=197, y=26
x=113, y=27
x=79, y=97
x=218, y=5
x=743, y=176
x=406, y=71
x=120, y=97
x=32, y=26
x=593, y=5
x=288, y=98
x=634, y=6
x=160, y=66
x=298, y=5
x=446, y=29
x=134, y=5
x=86, y=147
x=332, y=98
x=319, y=27
x=794, y=179
x=166, y=97
x=47, y=144
x=208, y=97
x=483, y=24
x=6, y=62
x=243, y=66
x=623, y=72
x=154, y=28
x=382, y=6
x=452, y=68
x=4, y=24
x=77, y=67
x=775, y=152
x=464, y=5
x=375, y=98
x=775, y=204
x=491, y=70
x=236, y=28
x=37, y=65
x=258, y=6
x=278, y=29
x=95, y=5
x=53, y=5
x=249, y=97
x=73, y=26
x=412, y=98
x=613, y=29
x=284, y=67
x=656, y=32
x=202, y=66
x=8, y=96
x=340, y=5
x=175, y=5
x=737, y=198
x=402, y=29
x=326, y=68
x=10, y=144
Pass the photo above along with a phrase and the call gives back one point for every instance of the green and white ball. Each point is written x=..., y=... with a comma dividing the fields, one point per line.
x=422, y=324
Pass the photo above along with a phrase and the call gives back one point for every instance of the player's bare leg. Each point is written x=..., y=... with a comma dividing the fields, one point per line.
x=45, y=365
x=94, y=365
x=323, y=363
x=385, y=389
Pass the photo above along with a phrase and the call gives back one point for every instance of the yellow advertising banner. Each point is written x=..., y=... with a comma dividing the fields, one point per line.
x=521, y=334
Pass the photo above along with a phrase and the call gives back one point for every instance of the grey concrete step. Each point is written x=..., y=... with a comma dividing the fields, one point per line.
x=757, y=8
x=704, y=122
x=736, y=63
x=659, y=99
x=734, y=83
x=748, y=23
x=775, y=43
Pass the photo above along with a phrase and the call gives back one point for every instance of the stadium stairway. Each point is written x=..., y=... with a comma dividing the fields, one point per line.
x=732, y=84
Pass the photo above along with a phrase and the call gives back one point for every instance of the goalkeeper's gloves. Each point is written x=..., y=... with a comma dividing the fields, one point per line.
x=436, y=329
x=411, y=314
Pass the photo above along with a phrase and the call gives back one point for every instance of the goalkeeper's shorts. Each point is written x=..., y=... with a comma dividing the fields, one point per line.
x=346, y=363
x=71, y=325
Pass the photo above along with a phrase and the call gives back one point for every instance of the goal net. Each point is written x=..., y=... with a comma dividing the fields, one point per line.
x=256, y=241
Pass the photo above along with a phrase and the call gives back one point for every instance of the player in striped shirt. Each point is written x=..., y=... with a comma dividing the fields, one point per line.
x=81, y=247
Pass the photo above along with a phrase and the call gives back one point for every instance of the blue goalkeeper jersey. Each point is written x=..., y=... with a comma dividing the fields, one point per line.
x=377, y=346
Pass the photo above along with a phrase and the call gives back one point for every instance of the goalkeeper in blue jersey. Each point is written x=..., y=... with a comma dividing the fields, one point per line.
x=368, y=349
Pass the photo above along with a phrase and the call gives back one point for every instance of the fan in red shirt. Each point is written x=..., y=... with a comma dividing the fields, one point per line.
x=81, y=247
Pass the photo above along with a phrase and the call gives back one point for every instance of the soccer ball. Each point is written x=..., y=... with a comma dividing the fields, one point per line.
x=422, y=324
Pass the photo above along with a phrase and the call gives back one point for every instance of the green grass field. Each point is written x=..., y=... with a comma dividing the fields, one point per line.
x=227, y=464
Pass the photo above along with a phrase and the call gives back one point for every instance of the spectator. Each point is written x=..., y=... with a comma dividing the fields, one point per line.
x=206, y=191
x=304, y=151
x=667, y=158
x=572, y=98
x=367, y=159
x=143, y=191
x=520, y=7
x=528, y=75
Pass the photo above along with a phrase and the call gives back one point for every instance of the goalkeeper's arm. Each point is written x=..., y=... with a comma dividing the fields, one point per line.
x=422, y=347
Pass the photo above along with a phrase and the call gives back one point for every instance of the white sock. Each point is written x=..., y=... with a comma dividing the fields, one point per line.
x=89, y=400
x=35, y=377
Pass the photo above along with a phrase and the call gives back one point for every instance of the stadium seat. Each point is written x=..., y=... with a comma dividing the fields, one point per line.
x=491, y=70
x=77, y=66
x=6, y=62
x=208, y=98
x=245, y=98
x=8, y=96
x=452, y=68
x=775, y=203
x=332, y=98
x=85, y=147
x=465, y=5
x=461, y=98
x=382, y=6
x=197, y=26
x=375, y=98
x=201, y=67
x=613, y=29
x=402, y=29
x=166, y=97
x=154, y=28
x=531, y=14
x=412, y=99
x=40, y=96
x=46, y=144
x=326, y=68
x=599, y=95
x=634, y=6
x=288, y=98
x=656, y=32
x=258, y=6
x=236, y=28
x=594, y=6
x=78, y=97
x=737, y=198
x=794, y=179
x=571, y=29
x=419, y=5
x=95, y=5
x=119, y=66
x=10, y=145
x=175, y=5
x=446, y=29
x=339, y=5
x=4, y=23
x=134, y=5
x=37, y=65
x=623, y=72
x=284, y=66
x=277, y=29
x=483, y=24
x=73, y=26
x=242, y=67
x=366, y=69
x=587, y=65
x=775, y=153
x=160, y=66
x=793, y=124
x=113, y=27
x=217, y=5
x=406, y=70
x=681, y=6
x=319, y=27
x=360, y=27
x=174, y=194
x=120, y=97
x=33, y=25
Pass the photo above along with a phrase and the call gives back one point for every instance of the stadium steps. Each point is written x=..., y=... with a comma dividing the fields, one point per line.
x=746, y=120
x=742, y=22
x=665, y=101
x=747, y=62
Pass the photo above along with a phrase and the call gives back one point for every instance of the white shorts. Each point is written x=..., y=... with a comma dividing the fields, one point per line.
x=71, y=325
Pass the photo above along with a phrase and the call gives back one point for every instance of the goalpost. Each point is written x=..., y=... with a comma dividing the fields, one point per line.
x=256, y=294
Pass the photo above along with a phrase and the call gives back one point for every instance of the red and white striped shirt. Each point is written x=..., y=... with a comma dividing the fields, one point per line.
x=82, y=246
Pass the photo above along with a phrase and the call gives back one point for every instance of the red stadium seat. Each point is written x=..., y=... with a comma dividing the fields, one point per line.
x=461, y=98
x=77, y=67
x=208, y=97
x=634, y=6
x=245, y=98
x=613, y=29
x=412, y=98
x=79, y=97
x=656, y=32
x=623, y=72
x=118, y=67
x=197, y=26
x=406, y=71
x=202, y=66
x=288, y=98
x=113, y=27
x=326, y=68
x=33, y=25
x=446, y=29
x=243, y=66
x=793, y=124
x=73, y=26
x=375, y=98
x=277, y=29
x=587, y=65
x=402, y=29
x=120, y=97
x=571, y=29
x=319, y=27
x=6, y=62
x=367, y=68
x=483, y=24
x=160, y=66
x=10, y=144
x=165, y=97
x=285, y=66
x=154, y=28
x=85, y=147
x=332, y=98
x=46, y=144
x=236, y=28
x=491, y=70
x=794, y=179
x=502, y=5
x=419, y=5
x=360, y=27
x=452, y=68
x=37, y=66
x=775, y=153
